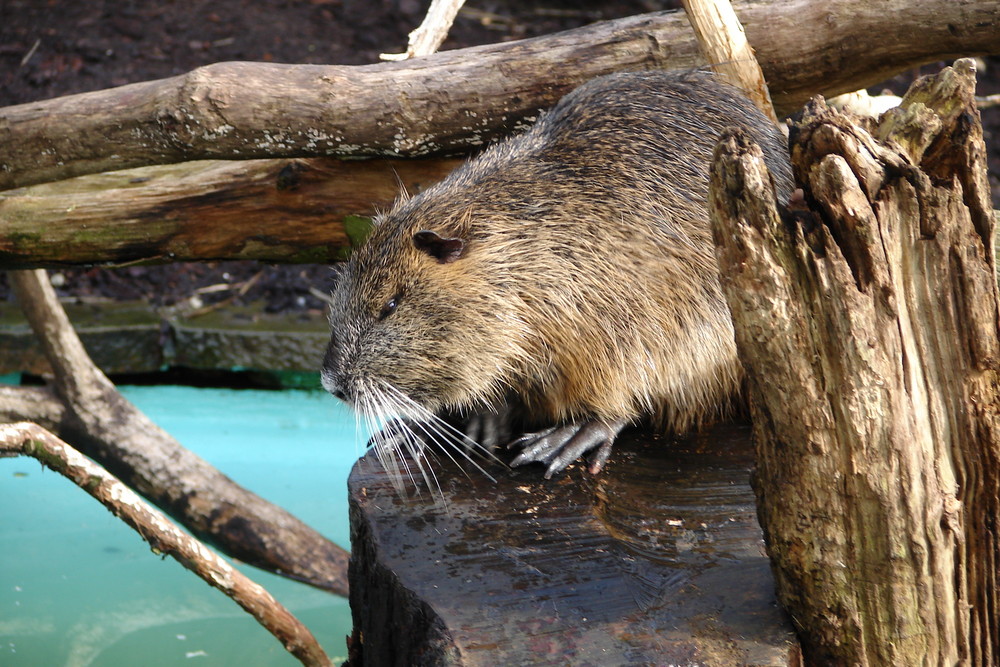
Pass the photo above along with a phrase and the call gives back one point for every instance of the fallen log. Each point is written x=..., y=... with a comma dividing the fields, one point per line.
x=867, y=317
x=455, y=100
x=289, y=211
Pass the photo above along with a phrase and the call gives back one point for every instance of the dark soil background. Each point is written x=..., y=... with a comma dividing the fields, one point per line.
x=58, y=47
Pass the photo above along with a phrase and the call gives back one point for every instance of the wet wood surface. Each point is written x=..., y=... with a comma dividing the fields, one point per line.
x=658, y=560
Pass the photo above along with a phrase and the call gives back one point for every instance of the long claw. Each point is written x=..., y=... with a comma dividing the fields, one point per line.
x=600, y=457
x=558, y=447
x=543, y=446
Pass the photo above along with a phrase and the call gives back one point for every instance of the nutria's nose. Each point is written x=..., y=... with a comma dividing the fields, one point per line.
x=330, y=383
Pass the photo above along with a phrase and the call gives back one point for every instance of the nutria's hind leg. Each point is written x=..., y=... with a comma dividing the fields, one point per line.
x=490, y=428
x=560, y=446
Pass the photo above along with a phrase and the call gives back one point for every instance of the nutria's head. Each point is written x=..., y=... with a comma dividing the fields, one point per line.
x=418, y=322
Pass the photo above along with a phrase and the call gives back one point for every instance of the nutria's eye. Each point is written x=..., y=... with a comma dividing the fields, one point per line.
x=390, y=306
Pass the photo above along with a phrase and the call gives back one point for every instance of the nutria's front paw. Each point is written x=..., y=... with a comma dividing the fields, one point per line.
x=560, y=446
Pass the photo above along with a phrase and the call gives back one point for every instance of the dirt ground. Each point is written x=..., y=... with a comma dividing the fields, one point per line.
x=58, y=47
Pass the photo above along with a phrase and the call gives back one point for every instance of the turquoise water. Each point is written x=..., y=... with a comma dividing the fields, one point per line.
x=79, y=588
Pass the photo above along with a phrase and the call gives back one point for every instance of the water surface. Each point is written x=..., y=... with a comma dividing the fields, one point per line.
x=79, y=588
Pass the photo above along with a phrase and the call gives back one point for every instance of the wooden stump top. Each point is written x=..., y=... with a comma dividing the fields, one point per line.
x=657, y=560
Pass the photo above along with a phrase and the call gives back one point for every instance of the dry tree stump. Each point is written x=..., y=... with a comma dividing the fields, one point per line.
x=866, y=315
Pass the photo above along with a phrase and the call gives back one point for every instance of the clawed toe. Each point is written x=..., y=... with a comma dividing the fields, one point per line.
x=543, y=446
x=559, y=446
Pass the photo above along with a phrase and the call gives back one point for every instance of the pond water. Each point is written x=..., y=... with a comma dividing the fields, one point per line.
x=80, y=588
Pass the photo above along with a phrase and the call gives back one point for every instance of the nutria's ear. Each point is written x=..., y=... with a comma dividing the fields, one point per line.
x=444, y=250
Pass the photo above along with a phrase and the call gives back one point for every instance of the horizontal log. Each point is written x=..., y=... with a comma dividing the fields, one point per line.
x=454, y=100
x=299, y=210
x=285, y=211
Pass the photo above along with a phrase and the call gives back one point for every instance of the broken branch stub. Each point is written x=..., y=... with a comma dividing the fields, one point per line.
x=866, y=315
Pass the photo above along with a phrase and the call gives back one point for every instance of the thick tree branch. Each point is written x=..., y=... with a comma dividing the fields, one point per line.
x=34, y=404
x=300, y=210
x=109, y=429
x=164, y=537
x=455, y=100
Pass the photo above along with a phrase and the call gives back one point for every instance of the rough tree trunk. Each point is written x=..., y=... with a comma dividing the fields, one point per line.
x=455, y=100
x=868, y=325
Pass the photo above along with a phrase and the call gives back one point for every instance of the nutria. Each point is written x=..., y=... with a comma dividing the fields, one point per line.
x=568, y=272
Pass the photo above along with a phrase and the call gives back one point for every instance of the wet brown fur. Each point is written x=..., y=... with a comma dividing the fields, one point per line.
x=587, y=285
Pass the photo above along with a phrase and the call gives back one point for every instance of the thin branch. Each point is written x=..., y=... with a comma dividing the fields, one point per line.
x=724, y=43
x=988, y=101
x=428, y=38
x=164, y=537
x=109, y=429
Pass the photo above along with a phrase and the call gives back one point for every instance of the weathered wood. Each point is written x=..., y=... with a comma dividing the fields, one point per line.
x=432, y=31
x=298, y=210
x=656, y=561
x=35, y=404
x=867, y=318
x=454, y=100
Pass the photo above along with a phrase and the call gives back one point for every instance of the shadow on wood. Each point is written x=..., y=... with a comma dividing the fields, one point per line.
x=657, y=560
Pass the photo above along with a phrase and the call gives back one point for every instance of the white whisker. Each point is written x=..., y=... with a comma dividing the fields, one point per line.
x=447, y=436
x=401, y=430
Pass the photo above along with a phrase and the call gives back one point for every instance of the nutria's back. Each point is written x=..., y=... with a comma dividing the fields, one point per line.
x=570, y=269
